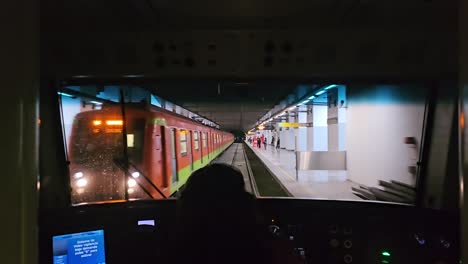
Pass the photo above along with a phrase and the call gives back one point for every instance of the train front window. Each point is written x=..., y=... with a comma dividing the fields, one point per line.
x=317, y=141
x=95, y=127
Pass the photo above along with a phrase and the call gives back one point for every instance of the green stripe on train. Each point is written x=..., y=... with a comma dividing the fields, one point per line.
x=185, y=172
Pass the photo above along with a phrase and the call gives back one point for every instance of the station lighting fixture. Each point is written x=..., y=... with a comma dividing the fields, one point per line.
x=312, y=97
x=330, y=86
x=78, y=175
x=320, y=92
x=303, y=102
x=135, y=174
x=65, y=94
x=96, y=102
x=386, y=254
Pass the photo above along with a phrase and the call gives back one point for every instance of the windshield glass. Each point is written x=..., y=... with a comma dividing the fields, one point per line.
x=317, y=141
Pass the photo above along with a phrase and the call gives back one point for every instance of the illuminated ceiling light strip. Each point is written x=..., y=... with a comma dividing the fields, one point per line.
x=320, y=92
x=65, y=94
x=330, y=86
x=312, y=97
x=96, y=102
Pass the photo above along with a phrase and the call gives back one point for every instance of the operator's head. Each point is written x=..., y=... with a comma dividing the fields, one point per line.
x=216, y=180
x=216, y=215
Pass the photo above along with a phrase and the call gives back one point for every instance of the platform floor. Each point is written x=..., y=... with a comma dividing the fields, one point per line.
x=234, y=155
x=321, y=184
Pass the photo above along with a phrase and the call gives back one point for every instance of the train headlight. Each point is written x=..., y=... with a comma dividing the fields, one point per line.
x=78, y=175
x=81, y=182
x=131, y=183
x=135, y=174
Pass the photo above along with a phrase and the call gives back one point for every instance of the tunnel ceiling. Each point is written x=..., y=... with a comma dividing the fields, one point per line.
x=233, y=105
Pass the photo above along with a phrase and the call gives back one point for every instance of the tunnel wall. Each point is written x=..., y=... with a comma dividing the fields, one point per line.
x=378, y=119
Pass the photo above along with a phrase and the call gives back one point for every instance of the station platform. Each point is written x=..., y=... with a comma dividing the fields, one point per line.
x=323, y=184
x=234, y=155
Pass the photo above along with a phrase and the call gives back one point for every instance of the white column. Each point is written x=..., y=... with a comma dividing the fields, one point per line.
x=310, y=130
x=282, y=134
x=337, y=119
x=320, y=133
x=290, y=140
x=302, y=131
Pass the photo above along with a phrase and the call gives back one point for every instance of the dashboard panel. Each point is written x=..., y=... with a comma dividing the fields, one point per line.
x=315, y=231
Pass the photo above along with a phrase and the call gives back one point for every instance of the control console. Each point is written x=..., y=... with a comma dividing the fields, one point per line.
x=314, y=231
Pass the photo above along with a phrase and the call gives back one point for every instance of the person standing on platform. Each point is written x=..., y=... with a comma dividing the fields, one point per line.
x=259, y=142
x=254, y=141
x=265, y=142
x=278, y=144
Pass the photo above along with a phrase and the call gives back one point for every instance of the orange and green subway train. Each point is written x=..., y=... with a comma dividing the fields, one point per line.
x=162, y=149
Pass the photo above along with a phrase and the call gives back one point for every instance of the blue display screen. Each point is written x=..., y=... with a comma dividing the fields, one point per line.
x=79, y=248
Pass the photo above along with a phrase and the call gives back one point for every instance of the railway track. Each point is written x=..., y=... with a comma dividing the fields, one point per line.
x=239, y=160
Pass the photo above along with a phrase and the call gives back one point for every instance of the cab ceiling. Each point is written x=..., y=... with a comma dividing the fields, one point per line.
x=142, y=15
x=233, y=105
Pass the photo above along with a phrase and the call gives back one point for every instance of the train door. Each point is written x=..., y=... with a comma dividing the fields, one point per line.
x=162, y=162
x=190, y=150
x=175, y=177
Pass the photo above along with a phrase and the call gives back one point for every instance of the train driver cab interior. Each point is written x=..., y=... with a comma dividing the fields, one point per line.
x=244, y=131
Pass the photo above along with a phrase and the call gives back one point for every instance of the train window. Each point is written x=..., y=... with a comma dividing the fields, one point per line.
x=195, y=140
x=130, y=140
x=92, y=126
x=183, y=142
x=203, y=139
x=135, y=131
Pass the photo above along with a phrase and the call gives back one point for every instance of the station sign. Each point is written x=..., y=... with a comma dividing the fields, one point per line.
x=294, y=125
